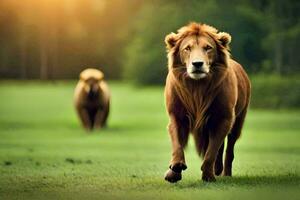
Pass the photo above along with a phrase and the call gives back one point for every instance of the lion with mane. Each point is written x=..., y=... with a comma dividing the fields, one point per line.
x=207, y=94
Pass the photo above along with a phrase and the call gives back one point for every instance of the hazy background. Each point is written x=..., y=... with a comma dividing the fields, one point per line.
x=56, y=39
x=46, y=154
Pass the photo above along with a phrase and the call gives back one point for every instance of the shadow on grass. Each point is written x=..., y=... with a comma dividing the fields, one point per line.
x=246, y=181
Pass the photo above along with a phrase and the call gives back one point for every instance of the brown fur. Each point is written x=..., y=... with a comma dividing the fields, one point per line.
x=92, y=99
x=210, y=108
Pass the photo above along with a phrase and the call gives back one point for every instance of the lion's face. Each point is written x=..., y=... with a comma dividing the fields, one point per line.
x=91, y=78
x=197, y=48
x=91, y=85
x=197, y=53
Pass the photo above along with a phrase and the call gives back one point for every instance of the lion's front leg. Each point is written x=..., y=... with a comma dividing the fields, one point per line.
x=216, y=139
x=179, y=136
x=84, y=118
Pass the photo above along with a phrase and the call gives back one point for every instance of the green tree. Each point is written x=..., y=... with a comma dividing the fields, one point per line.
x=146, y=58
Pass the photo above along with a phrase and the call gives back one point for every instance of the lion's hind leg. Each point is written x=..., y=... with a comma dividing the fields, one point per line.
x=219, y=161
x=231, y=140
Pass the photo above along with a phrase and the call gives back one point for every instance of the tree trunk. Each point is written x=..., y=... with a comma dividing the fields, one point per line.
x=44, y=60
x=278, y=56
x=23, y=54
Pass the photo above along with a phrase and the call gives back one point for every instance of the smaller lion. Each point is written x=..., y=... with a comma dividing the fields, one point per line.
x=92, y=99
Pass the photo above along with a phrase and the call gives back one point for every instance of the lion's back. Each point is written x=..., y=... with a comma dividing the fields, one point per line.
x=243, y=84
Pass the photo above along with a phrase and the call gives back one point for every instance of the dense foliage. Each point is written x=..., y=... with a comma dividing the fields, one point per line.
x=52, y=39
x=275, y=92
x=265, y=34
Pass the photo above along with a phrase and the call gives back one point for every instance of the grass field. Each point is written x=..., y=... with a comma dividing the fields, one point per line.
x=45, y=154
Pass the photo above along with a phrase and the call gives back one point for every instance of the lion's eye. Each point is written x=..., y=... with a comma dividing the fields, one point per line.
x=188, y=48
x=207, y=48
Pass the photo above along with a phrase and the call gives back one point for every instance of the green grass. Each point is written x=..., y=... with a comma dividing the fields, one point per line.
x=44, y=153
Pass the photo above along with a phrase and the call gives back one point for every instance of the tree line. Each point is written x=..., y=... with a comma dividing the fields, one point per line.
x=56, y=39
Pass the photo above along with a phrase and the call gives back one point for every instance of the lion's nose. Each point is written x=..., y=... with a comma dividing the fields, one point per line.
x=197, y=64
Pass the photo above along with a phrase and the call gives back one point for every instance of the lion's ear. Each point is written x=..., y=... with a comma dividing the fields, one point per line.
x=224, y=38
x=100, y=76
x=170, y=40
x=82, y=76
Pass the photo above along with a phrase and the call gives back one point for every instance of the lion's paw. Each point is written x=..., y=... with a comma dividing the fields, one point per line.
x=172, y=176
x=208, y=177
